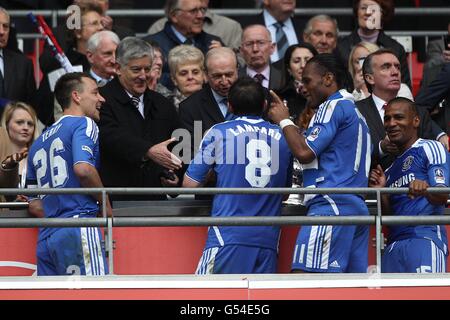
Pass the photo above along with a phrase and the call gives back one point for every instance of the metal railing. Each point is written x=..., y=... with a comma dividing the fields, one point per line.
x=109, y=222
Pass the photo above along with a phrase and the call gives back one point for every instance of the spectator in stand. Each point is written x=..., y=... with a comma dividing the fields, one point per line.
x=372, y=16
x=292, y=91
x=228, y=30
x=256, y=49
x=16, y=70
x=421, y=164
x=240, y=249
x=186, y=64
x=101, y=54
x=437, y=57
x=19, y=121
x=184, y=26
x=355, y=63
x=277, y=16
x=75, y=50
x=156, y=72
x=322, y=32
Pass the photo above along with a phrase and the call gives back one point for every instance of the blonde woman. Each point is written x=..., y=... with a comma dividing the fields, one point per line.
x=19, y=122
x=186, y=70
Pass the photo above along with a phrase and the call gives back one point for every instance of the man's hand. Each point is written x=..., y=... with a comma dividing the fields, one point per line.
x=107, y=22
x=388, y=147
x=162, y=156
x=377, y=179
x=277, y=111
x=444, y=141
x=446, y=54
x=417, y=188
x=173, y=182
x=214, y=44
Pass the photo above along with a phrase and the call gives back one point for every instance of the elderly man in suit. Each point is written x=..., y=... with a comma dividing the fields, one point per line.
x=185, y=26
x=256, y=49
x=16, y=70
x=381, y=71
x=136, y=125
x=277, y=16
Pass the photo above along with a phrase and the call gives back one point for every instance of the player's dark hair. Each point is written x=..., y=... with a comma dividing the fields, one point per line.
x=329, y=63
x=247, y=97
x=411, y=105
x=66, y=85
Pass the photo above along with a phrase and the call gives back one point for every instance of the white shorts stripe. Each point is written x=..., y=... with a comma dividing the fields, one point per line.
x=326, y=248
x=85, y=250
x=219, y=236
x=310, y=254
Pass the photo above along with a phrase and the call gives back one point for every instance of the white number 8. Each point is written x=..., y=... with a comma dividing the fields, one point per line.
x=258, y=153
x=58, y=166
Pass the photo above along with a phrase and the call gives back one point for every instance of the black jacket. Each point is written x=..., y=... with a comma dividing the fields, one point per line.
x=125, y=137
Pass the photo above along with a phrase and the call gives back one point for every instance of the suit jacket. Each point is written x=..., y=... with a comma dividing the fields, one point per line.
x=19, y=83
x=346, y=44
x=167, y=40
x=434, y=62
x=259, y=19
x=200, y=106
x=435, y=92
x=427, y=129
x=125, y=137
x=275, y=78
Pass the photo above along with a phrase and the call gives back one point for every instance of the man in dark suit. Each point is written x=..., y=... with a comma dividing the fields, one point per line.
x=16, y=70
x=438, y=91
x=136, y=126
x=185, y=26
x=210, y=105
x=381, y=71
x=277, y=16
x=256, y=49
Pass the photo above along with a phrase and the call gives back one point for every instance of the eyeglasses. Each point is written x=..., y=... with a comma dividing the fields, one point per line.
x=194, y=11
x=259, y=44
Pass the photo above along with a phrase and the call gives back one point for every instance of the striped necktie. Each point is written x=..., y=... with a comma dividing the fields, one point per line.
x=135, y=101
x=281, y=39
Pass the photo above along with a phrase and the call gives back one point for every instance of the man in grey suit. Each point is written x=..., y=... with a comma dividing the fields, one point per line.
x=381, y=71
x=256, y=48
x=16, y=70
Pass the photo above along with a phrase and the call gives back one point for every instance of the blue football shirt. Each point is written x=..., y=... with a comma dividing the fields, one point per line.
x=245, y=152
x=52, y=156
x=426, y=160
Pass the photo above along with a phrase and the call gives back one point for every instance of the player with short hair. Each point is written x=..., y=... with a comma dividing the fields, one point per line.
x=245, y=152
x=420, y=164
x=66, y=155
x=337, y=151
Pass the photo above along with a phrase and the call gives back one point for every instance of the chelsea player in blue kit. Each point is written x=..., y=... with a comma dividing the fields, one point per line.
x=245, y=152
x=336, y=151
x=420, y=164
x=66, y=156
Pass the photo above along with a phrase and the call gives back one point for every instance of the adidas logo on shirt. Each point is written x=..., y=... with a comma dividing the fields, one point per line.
x=335, y=264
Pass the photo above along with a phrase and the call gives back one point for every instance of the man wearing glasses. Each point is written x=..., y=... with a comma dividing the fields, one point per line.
x=184, y=26
x=256, y=49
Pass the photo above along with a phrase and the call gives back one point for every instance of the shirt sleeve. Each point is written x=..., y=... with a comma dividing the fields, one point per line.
x=205, y=158
x=325, y=127
x=85, y=142
x=437, y=170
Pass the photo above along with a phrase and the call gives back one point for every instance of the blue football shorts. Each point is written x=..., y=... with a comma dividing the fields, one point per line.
x=72, y=251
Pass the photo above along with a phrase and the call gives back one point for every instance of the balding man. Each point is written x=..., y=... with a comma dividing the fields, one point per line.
x=256, y=48
x=184, y=26
x=322, y=32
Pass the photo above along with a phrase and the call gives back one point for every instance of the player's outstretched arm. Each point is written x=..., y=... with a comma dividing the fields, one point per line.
x=89, y=178
x=36, y=209
x=190, y=183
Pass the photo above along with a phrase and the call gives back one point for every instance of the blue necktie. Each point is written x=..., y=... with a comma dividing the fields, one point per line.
x=281, y=39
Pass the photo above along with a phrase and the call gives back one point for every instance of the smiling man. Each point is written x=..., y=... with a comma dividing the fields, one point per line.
x=184, y=26
x=421, y=164
x=136, y=125
x=381, y=71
